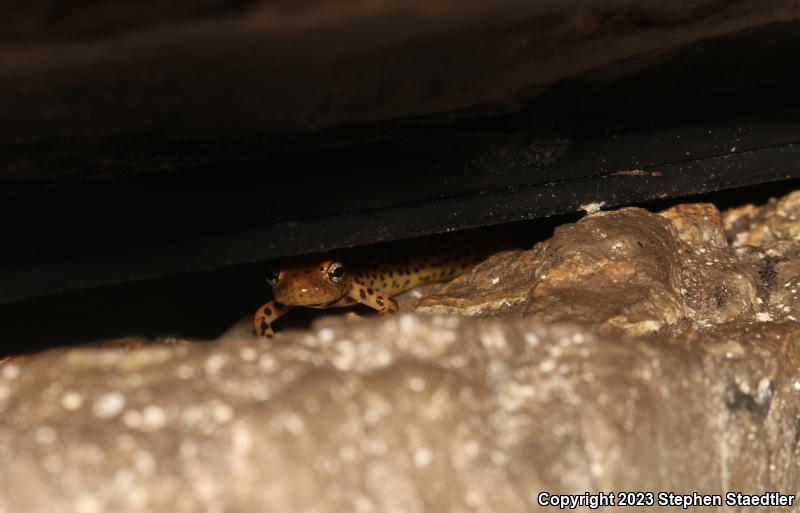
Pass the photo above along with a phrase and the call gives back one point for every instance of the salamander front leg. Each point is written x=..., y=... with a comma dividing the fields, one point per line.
x=266, y=315
x=375, y=299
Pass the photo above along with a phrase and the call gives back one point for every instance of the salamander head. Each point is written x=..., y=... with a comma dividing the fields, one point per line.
x=312, y=283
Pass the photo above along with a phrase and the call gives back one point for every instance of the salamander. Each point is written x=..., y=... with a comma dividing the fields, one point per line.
x=370, y=277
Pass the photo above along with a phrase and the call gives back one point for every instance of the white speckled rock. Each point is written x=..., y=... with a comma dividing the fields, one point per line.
x=406, y=413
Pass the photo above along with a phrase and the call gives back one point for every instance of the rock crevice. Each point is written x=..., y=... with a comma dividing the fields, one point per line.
x=631, y=351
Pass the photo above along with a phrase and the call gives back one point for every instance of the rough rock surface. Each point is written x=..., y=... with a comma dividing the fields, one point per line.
x=631, y=351
x=634, y=272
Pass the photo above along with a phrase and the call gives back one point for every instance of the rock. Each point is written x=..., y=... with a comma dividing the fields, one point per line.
x=631, y=351
x=717, y=286
x=498, y=54
x=618, y=270
x=627, y=271
x=421, y=414
x=498, y=286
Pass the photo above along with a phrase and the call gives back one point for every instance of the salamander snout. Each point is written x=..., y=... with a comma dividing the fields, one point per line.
x=306, y=295
x=317, y=284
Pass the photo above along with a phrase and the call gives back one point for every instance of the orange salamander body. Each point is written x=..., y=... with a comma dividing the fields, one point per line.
x=369, y=277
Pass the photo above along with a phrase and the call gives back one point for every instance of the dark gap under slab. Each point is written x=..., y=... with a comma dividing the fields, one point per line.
x=203, y=305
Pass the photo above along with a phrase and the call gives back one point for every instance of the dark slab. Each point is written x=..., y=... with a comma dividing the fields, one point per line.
x=141, y=149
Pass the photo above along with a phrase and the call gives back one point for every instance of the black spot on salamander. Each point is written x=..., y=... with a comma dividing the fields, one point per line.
x=362, y=293
x=406, y=283
x=384, y=285
x=379, y=300
x=267, y=311
x=370, y=291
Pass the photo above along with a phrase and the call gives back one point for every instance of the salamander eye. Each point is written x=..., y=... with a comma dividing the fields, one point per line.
x=273, y=277
x=336, y=272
